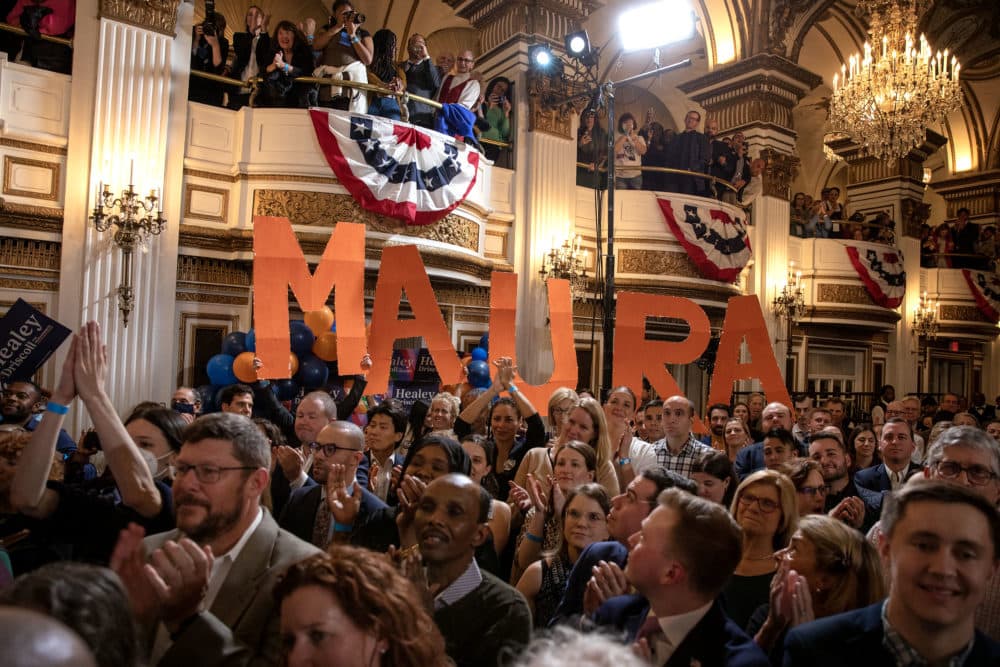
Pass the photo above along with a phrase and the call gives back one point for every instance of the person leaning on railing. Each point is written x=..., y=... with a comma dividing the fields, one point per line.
x=251, y=55
x=290, y=57
x=383, y=71
x=209, y=50
x=347, y=51
x=493, y=114
x=54, y=18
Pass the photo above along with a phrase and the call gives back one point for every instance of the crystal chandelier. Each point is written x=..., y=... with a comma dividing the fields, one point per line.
x=567, y=262
x=888, y=97
x=790, y=303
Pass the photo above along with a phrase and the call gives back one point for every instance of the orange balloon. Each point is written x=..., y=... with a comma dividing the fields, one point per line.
x=293, y=363
x=319, y=321
x=325, y=346
x=243, y=367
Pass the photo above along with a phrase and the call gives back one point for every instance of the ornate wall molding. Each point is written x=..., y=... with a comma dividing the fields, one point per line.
x=853, y=317
x=206, y=270
x=207, y=297
x=35, y=218
x=10, y=164
x=325, y=209
x=656, y=262
x=980, y=193
x=832, y=293
x=221, y=194
x=779, y=170
x=498, y=20
x=23, y=254
x=32, y=146
x=156, y=15
x=865, y=169
x=962, y=314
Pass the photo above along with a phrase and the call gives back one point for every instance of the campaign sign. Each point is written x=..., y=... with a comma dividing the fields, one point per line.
x=27, y=339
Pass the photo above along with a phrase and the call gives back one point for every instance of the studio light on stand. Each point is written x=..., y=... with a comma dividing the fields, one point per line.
x=134, y=220
x=578, y=46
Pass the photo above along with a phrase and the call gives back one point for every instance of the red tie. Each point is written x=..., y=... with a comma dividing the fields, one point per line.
x=649, y=629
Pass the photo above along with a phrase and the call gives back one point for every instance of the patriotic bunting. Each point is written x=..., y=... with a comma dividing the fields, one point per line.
x=394, y=169
x=881, y=271
x=717, y=244
x=985, y=288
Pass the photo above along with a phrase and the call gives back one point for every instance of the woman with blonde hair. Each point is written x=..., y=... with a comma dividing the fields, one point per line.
x=766, y=508
x=561, y=402
x=827, y=568
x=736, y=435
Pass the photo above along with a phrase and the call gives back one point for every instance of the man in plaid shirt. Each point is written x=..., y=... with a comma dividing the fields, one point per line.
x=678, y=449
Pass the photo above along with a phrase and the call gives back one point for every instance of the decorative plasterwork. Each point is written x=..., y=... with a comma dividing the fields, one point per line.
x=325, y=209
x=35, y=218
x=21, y=254
x=223, y=195
x=865, y=169
x=980, y=193
x=656, y=262
x=156, y=15
x=10, y=162
x=854, y=317
x=213, y=271
x=498, y=20
x=32, y=146
x=779, y=171
x=828, y=293
x=957, y=313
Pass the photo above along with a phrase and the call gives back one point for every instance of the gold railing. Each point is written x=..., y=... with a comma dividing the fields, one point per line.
x=669, y=170
x=17, y=30
x=340, y=83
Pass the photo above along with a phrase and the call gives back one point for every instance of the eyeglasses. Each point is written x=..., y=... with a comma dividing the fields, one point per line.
x=206, y=474
x=329, y=449
x=766, y=505
x=813, y=490
x=976, y=474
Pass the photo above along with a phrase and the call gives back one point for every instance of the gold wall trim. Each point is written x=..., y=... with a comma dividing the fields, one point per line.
x=32, y=146
x=854, y=317
x=25, y=284
x=212, y=175
x=11, y=161
x=504, y=237
x=156, y=15
x=35, y=218
x=325, y=209
x=962, y=314
x=856, y=294
x=26, y=254
x=203, y=297
x=656, y=262
x=190, y=188
x=206, y=270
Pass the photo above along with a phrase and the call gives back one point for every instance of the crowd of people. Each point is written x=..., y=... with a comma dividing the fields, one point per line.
x=961, y=245
x=642, y=153
x=269, y=64
x=473, y=531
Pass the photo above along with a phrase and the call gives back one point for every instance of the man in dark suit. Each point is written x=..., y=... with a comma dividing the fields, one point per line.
x=597, y=574
x=680, y=561
x=251, y=54
x=690, y=151
x=751, y=458
x=337, y=507
x=857, y=507
x=423, y=78
x=383, y=435
x=896, y=446
x=941, y=543
x=210, y=600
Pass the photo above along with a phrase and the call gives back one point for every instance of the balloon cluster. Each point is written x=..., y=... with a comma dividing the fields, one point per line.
x=313, y=352
x=477, y=368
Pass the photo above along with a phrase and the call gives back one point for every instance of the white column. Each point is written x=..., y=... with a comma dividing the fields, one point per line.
x=546, y=174
x=129, y=105
x=770, y=270
x=903, y=346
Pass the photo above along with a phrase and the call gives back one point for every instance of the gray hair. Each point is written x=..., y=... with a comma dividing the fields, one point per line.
x=250, y=447
x=329, y=405
x=566, y=647
x=968, y=437
x=454, y=402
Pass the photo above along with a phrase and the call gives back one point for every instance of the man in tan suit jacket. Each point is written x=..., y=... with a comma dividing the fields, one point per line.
x=204, y=591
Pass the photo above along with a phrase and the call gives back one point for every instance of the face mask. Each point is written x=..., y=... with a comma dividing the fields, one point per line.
x=164, y=471
x=183, y=408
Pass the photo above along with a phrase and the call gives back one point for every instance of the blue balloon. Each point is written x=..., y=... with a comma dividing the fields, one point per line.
x=312, y=372
x=479, y=374
x=234, y=344
x=286, y=389
x=220, y=369
x=250, y=342
x=301, y=336
x=484, y=342
x=479, y=354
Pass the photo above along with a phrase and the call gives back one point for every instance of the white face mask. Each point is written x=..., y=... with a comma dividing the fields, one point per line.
x=164, y=470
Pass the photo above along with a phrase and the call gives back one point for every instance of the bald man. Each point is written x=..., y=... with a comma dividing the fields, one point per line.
x=338, y=508
x=30, y=639
x=751, y=459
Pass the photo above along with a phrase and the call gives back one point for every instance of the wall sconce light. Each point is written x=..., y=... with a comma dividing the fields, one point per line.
x=134, y=222
x=567, y=262
x=925, y=319
x=790, y=303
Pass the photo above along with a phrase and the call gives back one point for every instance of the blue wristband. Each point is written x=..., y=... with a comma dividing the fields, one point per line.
x=342, y=527
x=534, y=538
x=56, y=408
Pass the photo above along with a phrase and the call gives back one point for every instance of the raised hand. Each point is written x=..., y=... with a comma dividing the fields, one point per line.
x=65, y=391
x=179, y=572
x=292, y=461
x=538, y=494
x=344, y=507
x=90, y=372
x=310, y=26
x=558, y=498
x=801, y=601
x=519, y=497
x=608, y=581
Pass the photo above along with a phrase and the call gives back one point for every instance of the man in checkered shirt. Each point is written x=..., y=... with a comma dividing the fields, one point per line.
x=678, y=449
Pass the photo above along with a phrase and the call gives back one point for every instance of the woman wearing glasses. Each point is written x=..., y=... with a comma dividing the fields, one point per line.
x=766, y=509
x=807, y=476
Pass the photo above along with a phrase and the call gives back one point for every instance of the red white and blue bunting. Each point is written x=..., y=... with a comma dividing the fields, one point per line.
x=985, y=288
x=394, y=169
x=881, y=271
x=717, y=243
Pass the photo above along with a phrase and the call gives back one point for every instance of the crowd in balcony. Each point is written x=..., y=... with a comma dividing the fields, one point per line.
x=38, y=18
x=826, y=217
x=961, y=244
x=342, y=49
x=653, y=157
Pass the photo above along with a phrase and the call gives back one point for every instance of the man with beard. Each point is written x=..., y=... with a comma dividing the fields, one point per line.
x=896, y=446
x=337, y=507
x=18, y=409
x=598, y=573
x=718, y=415
x=751, y=459
x=854, y=506
x=205, y=588
x=480, y=617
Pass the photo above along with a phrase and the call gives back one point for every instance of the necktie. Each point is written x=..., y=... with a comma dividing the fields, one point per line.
x=321, y=529
x=659, y=645
x=649, y=629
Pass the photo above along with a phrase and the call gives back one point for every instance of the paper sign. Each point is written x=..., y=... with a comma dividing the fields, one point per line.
x=401, y=271
x=27, y=339
x=279, y=263
x=744, y=319
x=503, y=315
x=636, y=357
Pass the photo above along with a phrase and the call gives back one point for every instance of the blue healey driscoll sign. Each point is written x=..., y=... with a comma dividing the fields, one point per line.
x=27, y=339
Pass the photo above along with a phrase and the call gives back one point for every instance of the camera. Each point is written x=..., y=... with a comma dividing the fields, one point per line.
x=356, y=18
x=208, y=27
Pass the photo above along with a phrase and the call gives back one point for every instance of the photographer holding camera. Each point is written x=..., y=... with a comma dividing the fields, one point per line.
x=209, y=50
x=347, y=50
